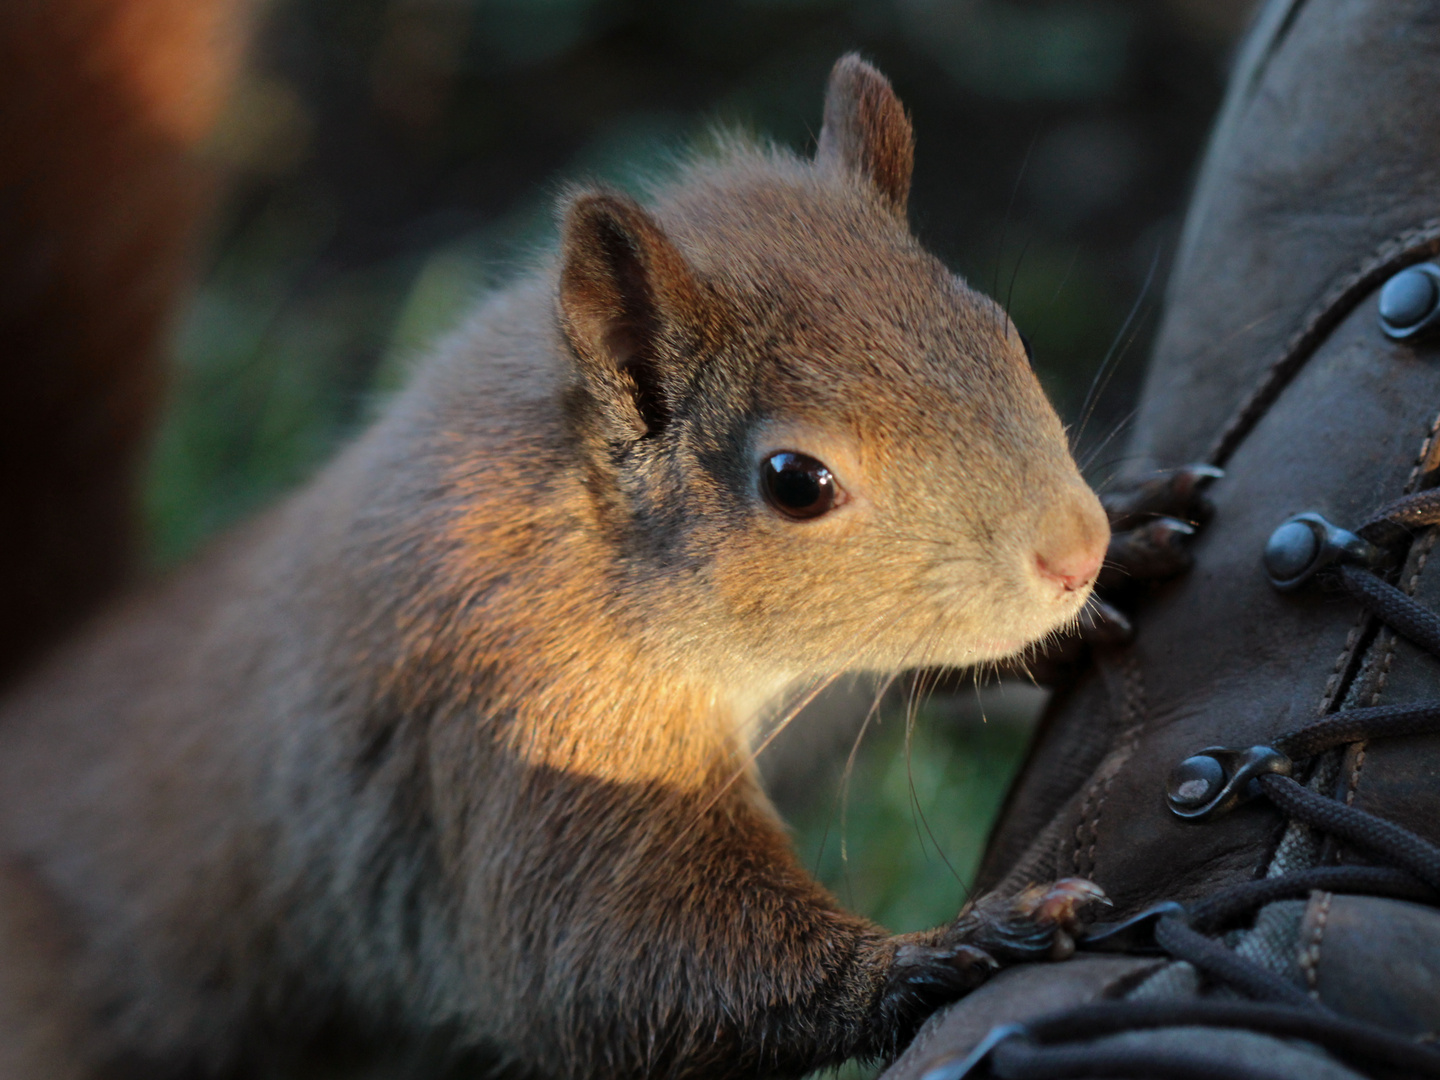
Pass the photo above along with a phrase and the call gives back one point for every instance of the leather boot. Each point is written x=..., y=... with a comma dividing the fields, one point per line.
x=1255, y=779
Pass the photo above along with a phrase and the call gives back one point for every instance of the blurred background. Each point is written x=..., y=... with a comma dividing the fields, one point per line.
x=393, y=159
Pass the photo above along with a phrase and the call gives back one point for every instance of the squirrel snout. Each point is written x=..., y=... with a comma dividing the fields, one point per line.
x=1072, y=544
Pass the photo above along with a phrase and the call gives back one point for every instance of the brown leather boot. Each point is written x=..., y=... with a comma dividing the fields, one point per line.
x=1255, y=780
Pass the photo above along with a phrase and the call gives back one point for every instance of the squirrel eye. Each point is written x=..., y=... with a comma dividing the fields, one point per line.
x=797, y=485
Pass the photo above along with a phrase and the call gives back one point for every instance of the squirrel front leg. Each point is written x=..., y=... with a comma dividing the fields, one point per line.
x=716, y=954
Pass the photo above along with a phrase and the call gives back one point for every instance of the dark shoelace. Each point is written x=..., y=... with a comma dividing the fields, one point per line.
x=1064, y=1046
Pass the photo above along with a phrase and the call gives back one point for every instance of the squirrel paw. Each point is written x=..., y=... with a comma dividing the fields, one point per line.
x=1039, y=923
x=924, y=976
x=936, y=967
x=1151, y=523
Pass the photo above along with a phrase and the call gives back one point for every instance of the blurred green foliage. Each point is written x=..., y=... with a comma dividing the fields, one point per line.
x=900, y=837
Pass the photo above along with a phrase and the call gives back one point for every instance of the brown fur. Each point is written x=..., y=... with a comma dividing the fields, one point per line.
x=452, y=745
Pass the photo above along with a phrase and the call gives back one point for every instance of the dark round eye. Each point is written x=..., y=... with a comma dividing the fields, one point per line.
x=797, y=485
x=1029, y=352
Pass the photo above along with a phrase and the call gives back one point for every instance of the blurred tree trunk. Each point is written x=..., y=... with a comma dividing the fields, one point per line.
x=103, y=106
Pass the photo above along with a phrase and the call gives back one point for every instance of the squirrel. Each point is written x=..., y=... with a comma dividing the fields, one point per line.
x=450, y=748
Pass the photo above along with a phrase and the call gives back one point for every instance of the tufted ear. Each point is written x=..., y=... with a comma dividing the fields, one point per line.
x=634, y=311
x=866, y=131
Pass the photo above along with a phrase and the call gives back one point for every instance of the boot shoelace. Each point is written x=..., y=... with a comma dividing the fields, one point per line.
x=1064, y=1045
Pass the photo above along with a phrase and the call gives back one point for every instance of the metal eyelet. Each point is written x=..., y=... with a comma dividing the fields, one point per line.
x=1307, y=544
x=1220, y=778
x=1410, y=302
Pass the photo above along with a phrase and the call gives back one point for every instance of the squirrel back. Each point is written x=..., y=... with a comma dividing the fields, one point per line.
x=452, y=743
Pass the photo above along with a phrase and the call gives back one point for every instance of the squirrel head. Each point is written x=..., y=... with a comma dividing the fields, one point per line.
x=809, y=445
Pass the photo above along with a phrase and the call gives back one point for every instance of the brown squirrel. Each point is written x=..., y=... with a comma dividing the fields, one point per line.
x=450, y=748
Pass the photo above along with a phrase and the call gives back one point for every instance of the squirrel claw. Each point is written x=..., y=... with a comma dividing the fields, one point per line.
x=1060, y=901
x=1150, y=552
x=1152, y=522
x=1040, y=922
x=1059, y=905
x=1177, y=493
x=1101, y=624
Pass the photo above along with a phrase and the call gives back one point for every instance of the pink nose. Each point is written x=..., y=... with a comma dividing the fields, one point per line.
x=1072, y=536
x=1072, y=569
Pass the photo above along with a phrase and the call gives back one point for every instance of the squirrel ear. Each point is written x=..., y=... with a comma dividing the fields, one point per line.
x=866, y=131
x=630, y=305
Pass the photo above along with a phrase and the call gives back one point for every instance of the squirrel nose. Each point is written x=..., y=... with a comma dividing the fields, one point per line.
x=1072, y=543
x=1073, y=570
